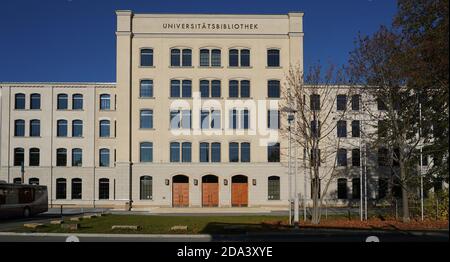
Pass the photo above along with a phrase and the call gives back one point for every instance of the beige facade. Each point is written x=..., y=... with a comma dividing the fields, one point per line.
x=164, y=34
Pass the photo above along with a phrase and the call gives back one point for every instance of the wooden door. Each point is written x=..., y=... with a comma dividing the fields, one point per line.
x=239, y=194
x=180, y=194
x=210, y=194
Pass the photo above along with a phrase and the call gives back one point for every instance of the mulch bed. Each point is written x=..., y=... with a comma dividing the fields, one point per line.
x=372, y=223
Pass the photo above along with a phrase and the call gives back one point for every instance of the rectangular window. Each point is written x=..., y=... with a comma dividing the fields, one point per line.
x=175, y=88
x=204, y=88
x=273, y=190
x=273, y=119
x=245, y=88
x=356, y=188
x=355, y=102
x=186, y=152
x=175, y=57
x=245, y=57
x=187, y=57
x=186, y=119
x=341, y=102
x=215, y=152
x=215, y=119
x=342, y=157
x=146, y=120
x=245, y=121
x=146, y=88
x=273, y=58
x=315, y=128
x=215, y=57
x=356, y=156
x=215, y=88
x=174, y=152
x=204, y=57
x=146, y=152
x=355, y=128
x=146, y=57
x=273, y=89
x=233, y=152
x=273, y=153
x=187, y=88
x=204, y=119
x=204, y=152
x=175, y=119
x=245, y=152
x=314, y=102
x=233, y=57
x=342, y=129
x=233, y=88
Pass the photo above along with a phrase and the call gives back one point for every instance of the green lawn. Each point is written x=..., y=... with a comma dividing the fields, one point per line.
x=162, y=224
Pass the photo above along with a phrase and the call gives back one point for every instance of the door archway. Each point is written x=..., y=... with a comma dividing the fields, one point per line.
x=180, y=191
x=210, y=191
x=239, y=191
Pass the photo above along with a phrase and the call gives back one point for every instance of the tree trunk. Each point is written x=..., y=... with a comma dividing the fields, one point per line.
x=405, y=204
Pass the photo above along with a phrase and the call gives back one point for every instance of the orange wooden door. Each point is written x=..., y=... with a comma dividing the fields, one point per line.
x=180, y=194
x=210, y=194
x=239, y=194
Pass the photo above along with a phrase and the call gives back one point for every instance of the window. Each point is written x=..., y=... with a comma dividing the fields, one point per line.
x=146, y=152
x=61, y=188
x=273, y=89
x=204, y=57
x=146, y=119
x=19, y=156
x=33, y=181
x=342, y=157
x=355, y=102
x=19, y=127
x=342, y=188
x=245, y=152
x=61, y=128
x=62, y=101
x=215, y=88
x=19, y=101
x=186, y=152
x=204, y=88
x=234, y=152
x=147, y=57
x=77, y=102
x=273, y=188
x=234, y=88
x=356, y=155
x=215, y=119
x=356, y=188
x=146, y=188
x=210, y=119
x=104, y=128
x=273, y=58
x=245, y=88
x=383, y=157
x=382, y=188
x=210, y=88
x=174, y=152
x=319, y=187
x=216, y=57
x=204, y=152
x=234, y=56
x=77, y=128
x=180, y=119
x=185, y=85
x=180, y=57
x=35, y=102
x=104, y=157
x=314, y=102
x=341, y=102
x=35, y=127
x=105, y=102
x=245, y=57
x=382, y=128
x=356, y=128
x=215, y=152
x=273, y=153
x=146, y=88
x=61, y=157
x=342, y=128
x=315, y=128
x=245, y=121
x=76, y=188
x=210, y=57
x=103, y=188
x=17, y=180
x=381, y=105
x=34, y=157
x=77, y=157
x=315, y=157
x=273, y=119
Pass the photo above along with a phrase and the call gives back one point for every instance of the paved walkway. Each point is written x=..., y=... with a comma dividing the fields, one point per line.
x=207, y=210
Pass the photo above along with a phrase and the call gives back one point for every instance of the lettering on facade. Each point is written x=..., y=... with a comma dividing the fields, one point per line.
x=208, y=26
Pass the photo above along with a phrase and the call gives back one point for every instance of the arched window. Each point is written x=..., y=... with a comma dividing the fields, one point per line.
x=233, y=152
x=273, y=58
x=19, y=101
x=147, y=57
x=34, y=157
x=33, y=181
x=19, y=127
x=35, y=127
x=61, y=157
x=245, y=57
x=233, y=57
x=61, y=188
x=104, y=157
x=77, y=187
x=146, y=88
x=146, y=152
x=77, y=157
x=215, y=88
x=342, y=188
x=174, y=152
x=233, y=88
x=62, y=101
x=77, y=102
x=19, y=156
x=35, y=101
x=273, y=188
x=105, y=102
x=245, y=152
x=77, y=128
x=215, y=152
x=104, y=128
x=61, y=129
x=146, y=188
x=103, y=188
x=186, y=149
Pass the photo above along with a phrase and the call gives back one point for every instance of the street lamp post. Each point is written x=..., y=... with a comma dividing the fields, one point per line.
x=291, y=113
x=421, y=160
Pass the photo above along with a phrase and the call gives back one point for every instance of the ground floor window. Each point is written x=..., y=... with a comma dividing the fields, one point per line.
x=61, y=188
x=356, y=188
x=33, y=181
x=76, y=188
x=103, y=188
x=382, y=188
x=342, y=188
x=273, y=191
x=146, y=187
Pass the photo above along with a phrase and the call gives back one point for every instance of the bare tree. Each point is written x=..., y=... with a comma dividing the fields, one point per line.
x=313, y=97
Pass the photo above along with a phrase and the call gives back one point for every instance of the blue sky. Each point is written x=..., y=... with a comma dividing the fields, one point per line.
x=74, y=40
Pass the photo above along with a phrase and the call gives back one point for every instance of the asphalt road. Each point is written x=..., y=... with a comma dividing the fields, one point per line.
x=302, y=235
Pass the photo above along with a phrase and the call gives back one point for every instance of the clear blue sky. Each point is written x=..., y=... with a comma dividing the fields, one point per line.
x=74, y=40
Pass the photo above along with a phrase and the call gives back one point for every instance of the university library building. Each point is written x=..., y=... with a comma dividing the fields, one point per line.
x=193, y=120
